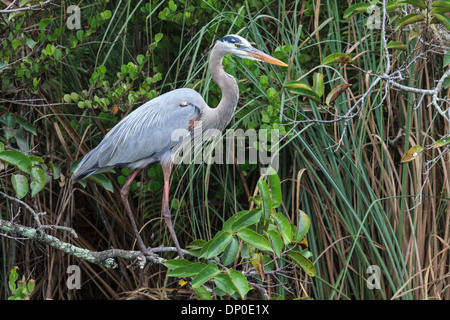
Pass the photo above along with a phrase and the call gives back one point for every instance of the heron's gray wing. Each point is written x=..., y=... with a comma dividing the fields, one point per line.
x=145, y=133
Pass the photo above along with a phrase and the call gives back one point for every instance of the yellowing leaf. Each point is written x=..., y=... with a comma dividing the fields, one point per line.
x=336, y=92
x=412, y=154
x=337, y=57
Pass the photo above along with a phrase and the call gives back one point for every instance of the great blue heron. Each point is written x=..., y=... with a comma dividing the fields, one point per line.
x=144, y=136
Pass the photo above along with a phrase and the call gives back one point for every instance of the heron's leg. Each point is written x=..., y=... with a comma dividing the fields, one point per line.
x=167, y=168
x=124, y=196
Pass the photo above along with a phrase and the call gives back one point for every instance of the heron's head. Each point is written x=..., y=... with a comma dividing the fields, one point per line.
x=238, y=46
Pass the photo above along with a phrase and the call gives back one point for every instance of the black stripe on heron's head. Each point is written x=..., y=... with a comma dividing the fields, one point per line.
x=231, y=39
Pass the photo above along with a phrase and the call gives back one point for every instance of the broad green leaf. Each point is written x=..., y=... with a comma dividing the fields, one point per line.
x=44, y=23
x=254, y=239
x=57, y=54
x=397, y=45
x=441, y=4
x=303, y=226
x=412, y=154
x=275, y=187
x=17, y=159
x=337, y=57
x=218, y=244
x=15, y=44
x=336, y=92
x=284, y=227
x=442, y=142
x=196, y=244
x=318, y=85
x=38, y=179
x=224, y=283
x=158, y=37
x=230, y=253
x=302, y=89
x=416, y=3
x=304, y=263
x=206, y=274
x=2, y=146
x=248, y=219
x=409, y=19
x=446, y=59
x=176, y=263
x=30, y=43
x=240, y=282
x=442, y=18
x=188, y=270
x=228, y=224
x=202, y=293
x=102, y=181
x=277, y=242
x=355, y=9
x=265, y=196
x=105, y=15
x=20, y=185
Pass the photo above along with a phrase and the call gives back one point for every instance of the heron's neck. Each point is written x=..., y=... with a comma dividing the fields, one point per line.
x=223, y=113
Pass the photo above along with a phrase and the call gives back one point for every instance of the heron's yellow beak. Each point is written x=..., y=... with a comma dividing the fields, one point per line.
x=261, y=56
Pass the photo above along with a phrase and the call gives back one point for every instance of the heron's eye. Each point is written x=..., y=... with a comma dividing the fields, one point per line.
x=237, y=45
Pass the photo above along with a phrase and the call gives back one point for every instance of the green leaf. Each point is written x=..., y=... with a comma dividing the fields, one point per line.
x=158, y=37
x=416, y=3
x=265, y=195
x=57, y=54
x=20, y=185
x=224, y=283
x=206, y=274
x=240, y=282
x=277, y=242
x=44, y=23
x=202, y=293
x=303, y=226
x=284, y=226
x=254, y=239
x=176, y=263
x=105, y=15
x=355, y=9
x=441, y=4
x=304, y=263
x=30, y=43
x=318, y=85
x=442, y=18
x=337, y=57
x=397, y=45
x=248, y=219
x=409, y=19
x=442, y=142
x=336, y=92
x=275, y=187
x=38, y=179
x=189, y=270
x=217, y=244
x=412, y=154
x=302, y=89
x=17, y=159
x=230, y=253
x=16, y=43
x=102, y=181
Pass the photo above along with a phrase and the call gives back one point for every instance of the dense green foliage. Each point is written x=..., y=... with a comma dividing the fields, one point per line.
x=64, y=86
